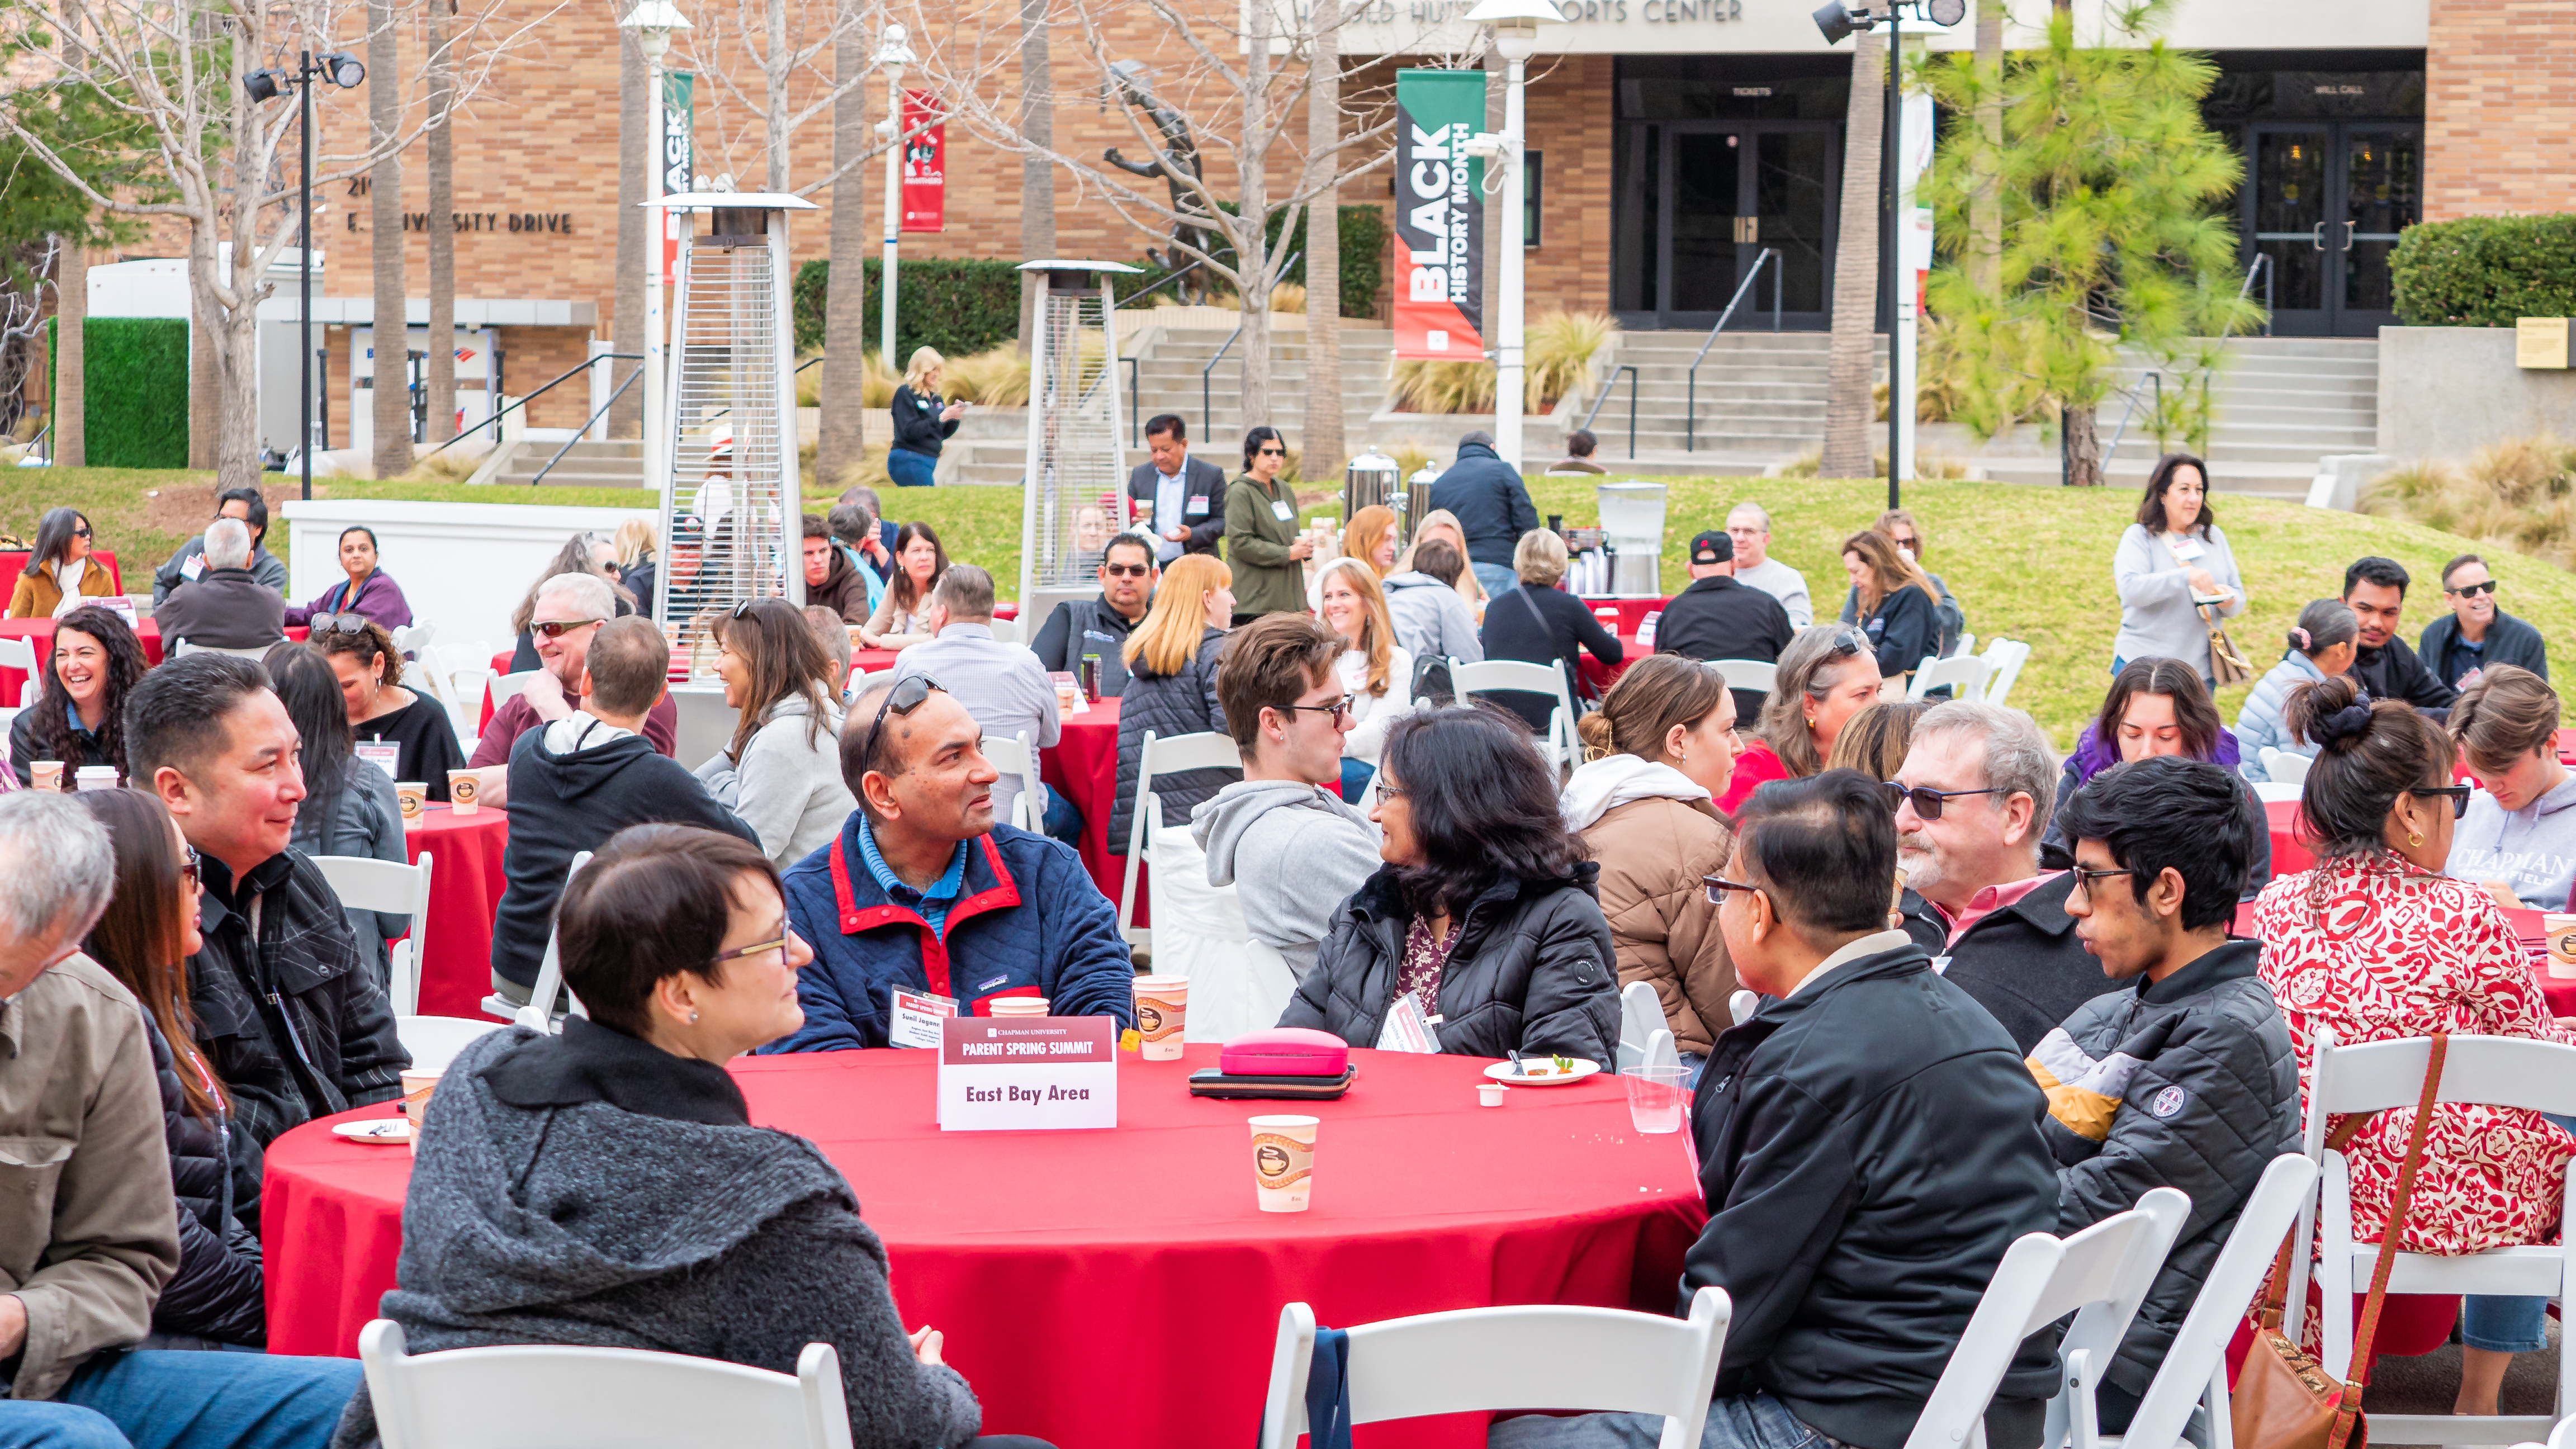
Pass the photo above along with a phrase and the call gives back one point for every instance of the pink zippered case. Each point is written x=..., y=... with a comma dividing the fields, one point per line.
x=1285, y=1051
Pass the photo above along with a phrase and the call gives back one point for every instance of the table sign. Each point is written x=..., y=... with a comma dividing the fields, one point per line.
x=1027, y=1073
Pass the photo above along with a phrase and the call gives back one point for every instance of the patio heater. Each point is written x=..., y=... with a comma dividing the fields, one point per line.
x=1076, y=478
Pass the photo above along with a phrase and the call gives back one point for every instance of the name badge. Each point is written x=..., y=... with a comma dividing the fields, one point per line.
x=2187, y=548
x=1197, y=507
x=195, y=565
x=917, y=1015
x=1280, y=510
x=1407, y=1029
x=1941, y=965
x=383, y=756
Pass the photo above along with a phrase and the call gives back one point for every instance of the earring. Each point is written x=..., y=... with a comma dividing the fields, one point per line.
x=693, y=1018
x=2414, y=837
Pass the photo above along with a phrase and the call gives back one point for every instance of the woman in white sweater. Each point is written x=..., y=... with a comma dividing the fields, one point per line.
x=782, y=771
x=1373, y=667
x=2173, y=554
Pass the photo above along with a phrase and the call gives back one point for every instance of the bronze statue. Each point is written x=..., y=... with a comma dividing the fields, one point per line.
x=1179, y=158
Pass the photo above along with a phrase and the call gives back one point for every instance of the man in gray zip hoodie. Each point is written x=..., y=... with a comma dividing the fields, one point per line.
x=1293, y=851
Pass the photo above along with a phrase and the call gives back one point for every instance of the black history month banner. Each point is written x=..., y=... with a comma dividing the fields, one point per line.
x=1439, y=215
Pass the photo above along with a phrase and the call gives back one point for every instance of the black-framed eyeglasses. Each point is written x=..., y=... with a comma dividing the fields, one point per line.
x=81, y=532
x=1718, y=886
x=188, y=869
x=2084, y=878
x=2459, y=796
x=1927, y=801
x=1336, y=709
x=903, y=699
x=1126, y=571
x=340, y=623
x=557, y=628
x=2465, y=591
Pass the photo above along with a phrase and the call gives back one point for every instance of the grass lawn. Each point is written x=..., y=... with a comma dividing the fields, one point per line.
x=2026, y=563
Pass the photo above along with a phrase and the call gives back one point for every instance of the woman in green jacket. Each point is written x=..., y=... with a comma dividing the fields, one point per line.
x=1261, y=537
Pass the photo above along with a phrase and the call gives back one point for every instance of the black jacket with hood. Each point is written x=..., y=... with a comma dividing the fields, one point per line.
x=567, y=795
x=1490, y=500
x=1533, y=969
x=1868, y=1149
x=2187, y=1082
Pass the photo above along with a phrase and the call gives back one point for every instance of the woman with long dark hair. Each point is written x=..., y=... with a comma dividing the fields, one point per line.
x=1484, y=914
x=2170, y=560
x=2156, y=707
x=350, y=807
x=1894, y=601
x=145, y=939
x=902, y=618
x=95, y=661
x=61, y=572
x=367, y=590
x=781, y=772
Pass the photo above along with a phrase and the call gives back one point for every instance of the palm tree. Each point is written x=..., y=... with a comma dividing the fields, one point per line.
x=391, y=370
x=843, y=440
x=1847, y=401
x=1037, y=174
x=1324, y=449
x=1985, y=206
x=440, y=378
x=71, y=310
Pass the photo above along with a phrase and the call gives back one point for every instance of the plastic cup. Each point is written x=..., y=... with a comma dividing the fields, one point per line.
x=46, y=775
x=1067, y=690
x=1656, y=1101
x=416, y=1089
x=464, y=792
x=2561, y=929
x=414, y=795
x=94, y=777
x=1019, y=1006
x=1162, y=1015
x=1283, y=1162
x=1491, y=1093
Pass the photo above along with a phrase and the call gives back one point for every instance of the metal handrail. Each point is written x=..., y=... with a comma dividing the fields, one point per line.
x=1629, y=368
x=1769, y=256
x=541, y=392
x=2157, y=381
x=586, y=427
x=2263, y=265
x=1160, y=283
x=1135, y=439
x=1207, y=416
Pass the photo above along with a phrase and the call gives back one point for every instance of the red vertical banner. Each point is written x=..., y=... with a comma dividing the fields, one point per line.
x=925, y=163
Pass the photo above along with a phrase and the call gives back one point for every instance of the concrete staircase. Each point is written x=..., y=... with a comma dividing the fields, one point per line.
x=1169, y=373
x=618, y=463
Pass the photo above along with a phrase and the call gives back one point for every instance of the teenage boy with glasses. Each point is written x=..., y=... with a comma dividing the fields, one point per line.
x=1100, y=626
x=2477, y=631
x=925, y=906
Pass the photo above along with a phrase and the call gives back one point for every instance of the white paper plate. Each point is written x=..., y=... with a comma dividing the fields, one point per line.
x=383, y=1131
x=1504, y=1072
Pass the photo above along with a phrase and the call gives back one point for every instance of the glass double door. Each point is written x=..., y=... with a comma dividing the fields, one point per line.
x=1729, y=190
x=2325, y=201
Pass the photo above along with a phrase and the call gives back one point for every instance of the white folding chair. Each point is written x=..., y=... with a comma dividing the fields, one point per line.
x=1014, y=757
x=1641, y=1015
x=364, y=883
x=1599, y=1360
x=506, y=687
x=2100, y=1275
x=412, y=638
x=1747, y=673
x=1249, y=994
x=597, y=1398
x=1967, y=645
x=20, y=655
x=538, y=1014
x=1007, y=631
x=2190, y=1386
x=1964, y=674
x=1198, y=931
x=181, y=649
x=1743, y=1004
x=1487, y=676
x=861, y=681
x=2495, y=1071
x=2004, y=659
x=2285, y=767
x=2274, y=791
x=1204, y=750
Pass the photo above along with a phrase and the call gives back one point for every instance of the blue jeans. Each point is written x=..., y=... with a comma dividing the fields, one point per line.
x=1693, y=1063
x=909, y=469
x=152, y=1399
x=1744, y=1421
x=1498, y=579
x=1063, y=822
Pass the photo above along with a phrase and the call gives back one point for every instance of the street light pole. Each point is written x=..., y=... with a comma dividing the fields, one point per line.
x=1515, y=26
x=893, y=54
x=653, y=22
x=343, y=70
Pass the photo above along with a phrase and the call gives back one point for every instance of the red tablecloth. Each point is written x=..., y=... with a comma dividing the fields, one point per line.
x=13, y=562
x=1119, y=1288
x=1084, y=765
x=1600, y=676
x=1631, y=611
x=464, y=890
x=39, y=634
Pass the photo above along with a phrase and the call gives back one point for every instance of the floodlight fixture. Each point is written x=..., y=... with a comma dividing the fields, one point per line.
x=341, y=69
x=267, y=85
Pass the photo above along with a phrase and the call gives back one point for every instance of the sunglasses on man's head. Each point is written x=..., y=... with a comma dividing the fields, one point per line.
x=2471, y=591
x=557, y=628
x=906, y=696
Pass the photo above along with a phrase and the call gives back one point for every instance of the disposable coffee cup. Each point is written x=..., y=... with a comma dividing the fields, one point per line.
x=46, y=775
x=2561, y=929
x=416, y=1089
x=414, y=795
x=94, y=777
x=1020, y=1006
x=464, y=792
x=1283, y=1162
x=1162, y=1013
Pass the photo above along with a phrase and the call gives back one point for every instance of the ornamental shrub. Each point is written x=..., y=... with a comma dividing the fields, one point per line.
x=134, y=378
x=960, y=307
x=2485, y=271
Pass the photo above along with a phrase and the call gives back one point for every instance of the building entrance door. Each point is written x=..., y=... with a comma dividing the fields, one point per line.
x=1729, y=189
x=2326, y=202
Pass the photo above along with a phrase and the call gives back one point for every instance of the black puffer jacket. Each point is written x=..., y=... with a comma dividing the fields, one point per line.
x=1170, y=705
x=1492, y=503
x=2189, y=1083
x=217, y=1293
x=1533, y=970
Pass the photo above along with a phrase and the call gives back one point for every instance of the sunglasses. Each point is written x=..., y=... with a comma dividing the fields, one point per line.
x=80, y=533
x=1850, y=642
x=557, y=628
x=2459, y=796
x=1718, y=886
x=2465, y=591
x=347, y=624
x=188, y=869
x=1127, y=571
x=906, y=696
x=1270, y=452
x=1927, y=801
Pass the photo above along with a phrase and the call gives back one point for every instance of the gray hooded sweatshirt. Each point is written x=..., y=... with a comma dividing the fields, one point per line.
x=1294, y=854
x=2532, y=849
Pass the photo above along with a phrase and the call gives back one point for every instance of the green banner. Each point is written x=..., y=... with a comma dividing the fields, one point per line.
x=1439, y=215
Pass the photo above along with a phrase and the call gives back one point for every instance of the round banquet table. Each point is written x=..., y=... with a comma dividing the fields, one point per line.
x=464, y=890
x=1119, y=1288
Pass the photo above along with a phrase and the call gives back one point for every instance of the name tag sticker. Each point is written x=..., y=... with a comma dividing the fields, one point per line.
x=383, y=756
x=195, y=565
x=2188, y=548
x=1197, y=507
x=917, y=1018
x=1280, y=510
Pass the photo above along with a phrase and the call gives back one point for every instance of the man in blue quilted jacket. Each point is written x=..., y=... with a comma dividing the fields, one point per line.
x=924, y=907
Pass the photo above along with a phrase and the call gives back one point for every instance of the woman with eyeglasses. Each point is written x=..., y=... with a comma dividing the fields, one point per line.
x=2376, y=943
x=349, y=807
x=406, y=734
x=144, y=940
x=583, y=553
x=606, y=1187
x=1171, y=688
x=93, y=662
x=1660, y=749
x=1377, y=671
x=1827, y=674
x=781, y=771
x=367, y=590
x=1484, y=914
x=61, y=572
x=2156, y=707
x=902, y=618
x=1262, y=540
x=2519, y=835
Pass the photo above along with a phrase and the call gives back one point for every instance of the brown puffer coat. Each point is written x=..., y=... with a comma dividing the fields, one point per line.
x=1653, y=854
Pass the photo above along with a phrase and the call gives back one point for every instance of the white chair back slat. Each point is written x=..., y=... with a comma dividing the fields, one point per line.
x=1758, y=674
x=1490, y=675
x=1201, y=750
x=2004, y=659
x=1964, y=676
x=1641, y=1015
